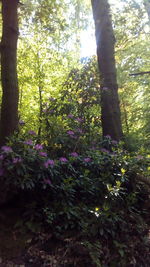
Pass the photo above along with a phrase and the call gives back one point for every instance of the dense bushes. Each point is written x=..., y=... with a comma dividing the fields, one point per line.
x=93, y=194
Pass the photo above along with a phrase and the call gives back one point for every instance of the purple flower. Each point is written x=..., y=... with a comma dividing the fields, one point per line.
x=6, y=148
x=21, y=122
x=70, y=132
x=74, y=154
x=70, y=116
x=32, y=132
x=43, y=154
x=62, y=159
x=47, y=181
x=28, y=142
x=38, y=147
x=1, y=172
x=49, y=162
x=87, y=159
x=79, y=119
x=16, y=160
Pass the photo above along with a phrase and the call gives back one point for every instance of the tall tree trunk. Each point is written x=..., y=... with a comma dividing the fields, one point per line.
x=111, y=121
x=9, y=107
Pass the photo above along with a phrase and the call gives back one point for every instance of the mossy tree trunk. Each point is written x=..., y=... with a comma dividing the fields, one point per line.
x=9, y=106
x=110, y=109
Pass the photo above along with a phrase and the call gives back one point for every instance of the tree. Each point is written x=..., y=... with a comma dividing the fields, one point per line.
x=9, y=107
x=111, y=121
x=132, y=53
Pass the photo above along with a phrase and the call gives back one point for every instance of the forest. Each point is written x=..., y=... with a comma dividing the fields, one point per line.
x=75, y=133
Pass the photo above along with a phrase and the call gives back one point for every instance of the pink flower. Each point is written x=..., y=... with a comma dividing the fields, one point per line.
x=74, y=154
x=48, y=163
x=6, y=148
x=38, y=147
x=43, y=154
x=62, y=159
x=70, y=132
x=87, y=159
x=17, y=160
x=32, y=132
x=28, y=142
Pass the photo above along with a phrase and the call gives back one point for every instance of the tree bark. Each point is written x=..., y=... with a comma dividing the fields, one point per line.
x=110, y=109
x=9, y=107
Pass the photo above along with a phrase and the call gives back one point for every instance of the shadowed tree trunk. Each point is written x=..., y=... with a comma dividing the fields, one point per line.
x=110, y=110
x=9, y=107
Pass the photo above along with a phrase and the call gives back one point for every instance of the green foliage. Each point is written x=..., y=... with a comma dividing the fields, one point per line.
x=67, y=178
x=94, y=193
x=132, y=52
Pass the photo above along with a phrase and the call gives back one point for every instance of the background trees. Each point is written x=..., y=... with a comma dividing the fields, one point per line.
x=59, y=173
x=49, y=47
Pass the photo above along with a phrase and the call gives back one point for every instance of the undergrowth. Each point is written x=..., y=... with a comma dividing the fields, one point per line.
x=92, y=197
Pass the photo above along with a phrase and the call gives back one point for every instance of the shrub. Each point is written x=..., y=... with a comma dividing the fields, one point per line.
x=94, y=193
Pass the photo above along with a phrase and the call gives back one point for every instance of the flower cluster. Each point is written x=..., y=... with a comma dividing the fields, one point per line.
x=48, y=163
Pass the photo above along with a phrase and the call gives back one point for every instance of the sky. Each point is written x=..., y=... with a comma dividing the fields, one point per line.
x=88, y=43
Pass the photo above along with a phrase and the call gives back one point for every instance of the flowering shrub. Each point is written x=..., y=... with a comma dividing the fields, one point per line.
x=93, y=193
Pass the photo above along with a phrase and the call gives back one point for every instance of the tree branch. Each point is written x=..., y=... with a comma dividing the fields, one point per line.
x=139, y=73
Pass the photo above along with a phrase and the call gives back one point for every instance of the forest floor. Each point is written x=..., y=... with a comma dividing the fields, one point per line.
x=19, y=248
x=22, y=248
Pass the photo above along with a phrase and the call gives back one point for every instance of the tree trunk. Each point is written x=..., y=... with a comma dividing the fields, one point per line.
x=9, y=107
x=110, y=110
